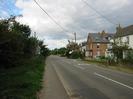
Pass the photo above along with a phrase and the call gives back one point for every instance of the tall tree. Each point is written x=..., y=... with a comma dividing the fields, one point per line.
x=15, y=42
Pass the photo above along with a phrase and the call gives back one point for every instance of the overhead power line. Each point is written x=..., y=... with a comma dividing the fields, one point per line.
x=50, y=16
x=98, y=12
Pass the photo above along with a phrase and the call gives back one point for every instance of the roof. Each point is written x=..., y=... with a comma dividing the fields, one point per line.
x=124, y=31
x=83, y=43
x=98, y=38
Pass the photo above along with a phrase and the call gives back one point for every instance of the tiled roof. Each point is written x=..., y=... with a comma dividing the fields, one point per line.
x=124, y=31
x=98, y=38
x=84, y=43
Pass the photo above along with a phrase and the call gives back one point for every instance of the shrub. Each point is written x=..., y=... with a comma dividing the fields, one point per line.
x=129, y=57
x=76, y=54
x=102, y=57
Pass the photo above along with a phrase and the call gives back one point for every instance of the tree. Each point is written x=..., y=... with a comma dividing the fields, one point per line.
x=73, y=46
x=11, y=47
x=43, y=49
x=73, y=50
x=15, y=42
x=118, y=51
x=54, y=51
x=62, y=51
x=30, y=46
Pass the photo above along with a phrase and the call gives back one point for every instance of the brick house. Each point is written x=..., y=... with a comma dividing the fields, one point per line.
x=98, y=44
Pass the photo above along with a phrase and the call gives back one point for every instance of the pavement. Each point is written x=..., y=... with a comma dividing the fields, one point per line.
x=73, y=79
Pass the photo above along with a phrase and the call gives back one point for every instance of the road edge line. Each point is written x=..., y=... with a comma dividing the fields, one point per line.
x=67, y=89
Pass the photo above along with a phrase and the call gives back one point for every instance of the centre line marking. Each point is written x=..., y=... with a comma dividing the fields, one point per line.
x=113, y=80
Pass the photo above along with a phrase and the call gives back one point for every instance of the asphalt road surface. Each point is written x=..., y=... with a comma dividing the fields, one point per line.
x=73, y=79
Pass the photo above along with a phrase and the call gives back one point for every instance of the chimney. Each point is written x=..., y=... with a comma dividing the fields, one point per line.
x=103, y=33
x=118, y=29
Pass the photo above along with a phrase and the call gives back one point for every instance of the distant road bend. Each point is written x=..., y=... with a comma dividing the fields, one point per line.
x=74, y=79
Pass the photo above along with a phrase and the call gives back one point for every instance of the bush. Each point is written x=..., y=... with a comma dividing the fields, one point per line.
x=76, y=54
x=129, y=57
x=102, y=57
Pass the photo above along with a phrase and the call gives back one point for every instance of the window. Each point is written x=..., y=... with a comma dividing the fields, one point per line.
x=98, y=45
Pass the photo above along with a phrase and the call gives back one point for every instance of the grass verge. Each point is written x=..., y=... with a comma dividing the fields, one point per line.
x=22, y=82
x=118, y=67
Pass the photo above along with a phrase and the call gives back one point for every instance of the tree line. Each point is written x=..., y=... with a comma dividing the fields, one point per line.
x=16, y=43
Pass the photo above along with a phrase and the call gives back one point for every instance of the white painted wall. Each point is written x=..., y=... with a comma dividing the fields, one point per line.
x=83, y=48
x=131, y=41
x=124, y=40
x=87, y=53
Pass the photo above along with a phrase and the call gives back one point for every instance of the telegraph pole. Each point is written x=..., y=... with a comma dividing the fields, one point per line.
x=75, y=37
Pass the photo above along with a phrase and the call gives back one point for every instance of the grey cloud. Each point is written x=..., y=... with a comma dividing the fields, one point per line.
x=76, y=16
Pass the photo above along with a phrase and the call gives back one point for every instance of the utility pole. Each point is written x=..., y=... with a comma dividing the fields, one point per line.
x=75, y=37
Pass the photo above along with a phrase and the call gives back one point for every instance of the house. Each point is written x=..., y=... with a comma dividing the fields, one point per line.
x=83, y=47
x=124, y=36
x=98, y=44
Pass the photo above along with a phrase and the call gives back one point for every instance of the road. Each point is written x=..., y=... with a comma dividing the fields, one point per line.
x=74, y=79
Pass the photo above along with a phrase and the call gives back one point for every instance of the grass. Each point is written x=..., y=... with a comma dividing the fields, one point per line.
x=118, y=67
x=22, y=82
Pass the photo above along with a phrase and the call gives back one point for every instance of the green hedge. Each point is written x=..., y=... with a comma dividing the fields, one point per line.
x=22, y=82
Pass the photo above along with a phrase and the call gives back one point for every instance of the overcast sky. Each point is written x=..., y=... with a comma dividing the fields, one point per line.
x=72, y=15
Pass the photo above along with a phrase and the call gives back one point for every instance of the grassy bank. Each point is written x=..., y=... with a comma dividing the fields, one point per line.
x=118, y=67
x=22, y=82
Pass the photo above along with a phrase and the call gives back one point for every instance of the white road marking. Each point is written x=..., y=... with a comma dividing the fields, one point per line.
x=83, y=64
x=66, y=62
x=74, y=65
x=113, y=80
x=79, y=67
